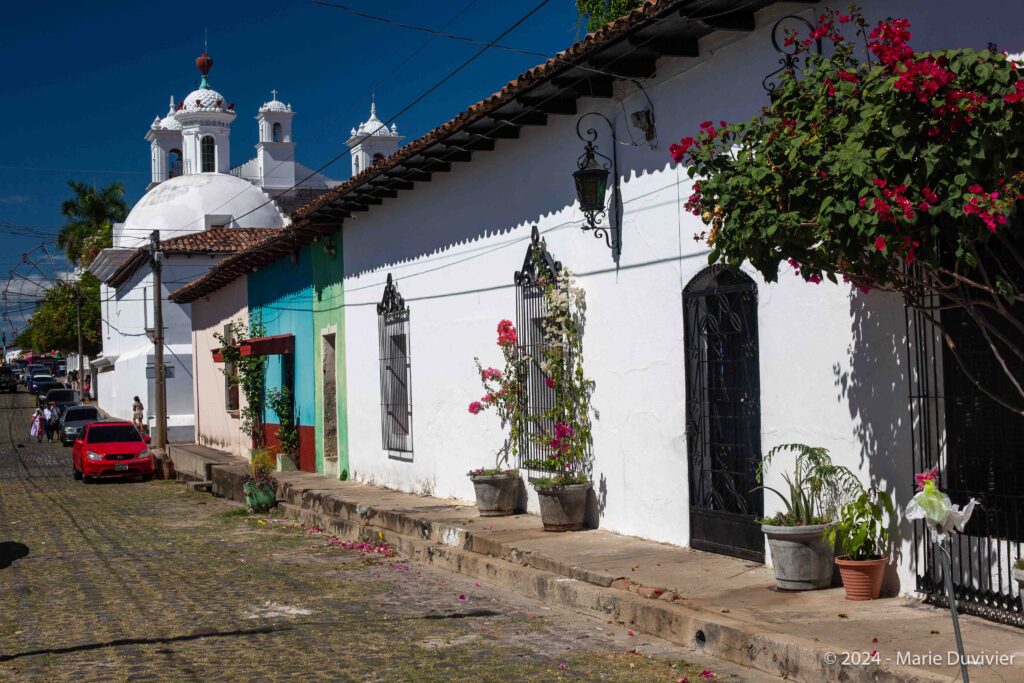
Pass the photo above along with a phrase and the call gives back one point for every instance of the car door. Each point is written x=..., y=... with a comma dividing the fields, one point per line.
x=76, y=448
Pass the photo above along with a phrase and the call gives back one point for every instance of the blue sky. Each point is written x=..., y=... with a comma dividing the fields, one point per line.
x=85, y=79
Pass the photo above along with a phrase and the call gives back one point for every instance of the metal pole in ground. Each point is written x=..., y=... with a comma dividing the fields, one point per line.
x=947, y=575
x=160, y=442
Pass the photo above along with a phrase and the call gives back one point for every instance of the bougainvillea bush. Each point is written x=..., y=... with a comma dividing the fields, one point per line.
x=887, y=168
x=502, y=390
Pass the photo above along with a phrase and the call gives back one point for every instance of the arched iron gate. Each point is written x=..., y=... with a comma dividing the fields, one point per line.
x=723, y=413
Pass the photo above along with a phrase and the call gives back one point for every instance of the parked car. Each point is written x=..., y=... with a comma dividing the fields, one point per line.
x=44, y=388
x=73, y=419
x=61, y=397
x=8, y=380
x=36, y=380
x=37, y=369
x=111, y=449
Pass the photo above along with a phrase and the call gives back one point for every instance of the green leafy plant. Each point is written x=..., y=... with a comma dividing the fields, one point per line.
x=861, y=531
x=564, y=431
x=280, y=401
x=247, y=373
x=891, y=169
x=817, y=486
x=261, y=468
x=1019, y=564
x=597, y=13
x=503, y=395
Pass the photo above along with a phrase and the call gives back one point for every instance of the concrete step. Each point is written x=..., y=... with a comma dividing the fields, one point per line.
x=206, y=486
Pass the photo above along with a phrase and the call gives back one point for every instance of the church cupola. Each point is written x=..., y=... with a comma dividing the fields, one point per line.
x=205, y=117
x=165, y=143
x=372, y=141
x=275, y=152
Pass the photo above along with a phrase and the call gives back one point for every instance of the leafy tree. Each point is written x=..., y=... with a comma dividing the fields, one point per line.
x=90, y=215
x=597, y=13
x=55, y=324
x=899, y=171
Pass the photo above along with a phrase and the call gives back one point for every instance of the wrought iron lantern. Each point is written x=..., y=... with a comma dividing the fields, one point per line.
x=591, y=179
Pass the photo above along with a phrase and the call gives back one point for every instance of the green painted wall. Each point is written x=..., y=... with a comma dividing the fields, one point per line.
x=329, y=316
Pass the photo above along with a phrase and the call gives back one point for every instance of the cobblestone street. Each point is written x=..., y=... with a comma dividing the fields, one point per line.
x=137, y=581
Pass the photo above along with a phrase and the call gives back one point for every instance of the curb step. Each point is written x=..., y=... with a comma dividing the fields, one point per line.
x=453, y=549
x=206, y=486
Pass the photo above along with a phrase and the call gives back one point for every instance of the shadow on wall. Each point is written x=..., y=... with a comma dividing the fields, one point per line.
x=875, y=387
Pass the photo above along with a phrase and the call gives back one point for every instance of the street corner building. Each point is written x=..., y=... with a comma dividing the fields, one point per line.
x=375, y=296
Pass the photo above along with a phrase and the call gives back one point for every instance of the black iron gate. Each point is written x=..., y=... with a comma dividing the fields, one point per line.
x=723, y=413
x=979, y=447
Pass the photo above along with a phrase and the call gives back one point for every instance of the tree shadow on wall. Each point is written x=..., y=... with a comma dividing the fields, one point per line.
x=874, y=384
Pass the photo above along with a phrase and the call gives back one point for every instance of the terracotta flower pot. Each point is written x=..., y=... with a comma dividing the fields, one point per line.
x=862, y=579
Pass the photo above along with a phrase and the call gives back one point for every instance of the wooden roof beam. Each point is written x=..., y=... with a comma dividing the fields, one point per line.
x=596, y=86
x=674, y=46
x=447, y=154
x=629, y=66
x=524, y=118
x=734, y=21
x=550, y=105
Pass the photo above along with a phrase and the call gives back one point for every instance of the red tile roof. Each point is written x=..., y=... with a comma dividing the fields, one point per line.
x=209, y=242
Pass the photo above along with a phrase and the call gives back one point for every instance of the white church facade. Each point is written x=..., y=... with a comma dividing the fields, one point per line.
x=193, y=198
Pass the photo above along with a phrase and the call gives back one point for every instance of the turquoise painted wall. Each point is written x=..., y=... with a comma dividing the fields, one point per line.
x=281, y=296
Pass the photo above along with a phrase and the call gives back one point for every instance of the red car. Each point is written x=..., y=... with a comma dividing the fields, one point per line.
x=111, y=449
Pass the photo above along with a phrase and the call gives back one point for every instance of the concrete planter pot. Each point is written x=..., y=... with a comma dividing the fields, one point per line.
x=1018, y=576
x=495, y=493
x=801, y=555
x=862, y=579
x=563, y=508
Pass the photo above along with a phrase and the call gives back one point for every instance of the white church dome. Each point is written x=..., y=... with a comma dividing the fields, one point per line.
x=275, y=105
x=192, y=203
x=170, y=123
x=204, y=99
x=374, y=126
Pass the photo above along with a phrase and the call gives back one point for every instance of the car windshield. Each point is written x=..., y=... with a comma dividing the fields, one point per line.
x=113, y=434
x=80, y=414
x=60, y=395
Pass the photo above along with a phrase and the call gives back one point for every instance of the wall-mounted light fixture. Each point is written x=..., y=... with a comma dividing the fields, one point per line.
x=329, y=247
x=591, y=178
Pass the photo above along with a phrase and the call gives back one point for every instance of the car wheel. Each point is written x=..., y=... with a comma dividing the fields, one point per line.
x=77, y=474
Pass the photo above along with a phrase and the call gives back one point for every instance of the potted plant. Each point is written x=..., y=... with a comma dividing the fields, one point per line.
x=497, y=487
x=563, y=432
x=280, y=401
x=1018, y=574
x=861, y=533
x=801, y=553
x=259, y=485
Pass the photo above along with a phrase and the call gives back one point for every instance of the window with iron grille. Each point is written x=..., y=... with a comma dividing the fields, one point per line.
x=395, y=403
x=230, y=375
x=531, y=312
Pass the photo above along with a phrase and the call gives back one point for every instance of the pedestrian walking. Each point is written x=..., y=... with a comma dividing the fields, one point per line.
x=86, y=386
x=50, y=421
x=138, y=412
x=38, y=425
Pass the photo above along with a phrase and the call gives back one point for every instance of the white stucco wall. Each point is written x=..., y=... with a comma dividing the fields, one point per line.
x=832, y=362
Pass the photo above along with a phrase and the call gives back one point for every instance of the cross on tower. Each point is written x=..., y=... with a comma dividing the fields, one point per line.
x=273, y=94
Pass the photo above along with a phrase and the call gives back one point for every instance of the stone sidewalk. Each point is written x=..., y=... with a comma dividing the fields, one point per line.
x=725, y=606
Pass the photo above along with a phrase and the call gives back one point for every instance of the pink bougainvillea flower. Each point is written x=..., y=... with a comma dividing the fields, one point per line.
x=550, y=382
x=475, y=407
x=462, y=596
x=629, y=633
x=708, y=673
x=930, y=475
x=506, y=333
x=563, y=667
x=880, y=243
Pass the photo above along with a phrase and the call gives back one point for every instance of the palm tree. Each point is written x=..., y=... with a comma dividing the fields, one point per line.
x=90, y=215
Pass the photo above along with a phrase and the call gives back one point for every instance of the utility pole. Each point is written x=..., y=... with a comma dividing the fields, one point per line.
x=156, y=258
x=81, y=360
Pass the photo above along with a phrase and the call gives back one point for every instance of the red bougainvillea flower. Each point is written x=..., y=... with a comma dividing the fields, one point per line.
x=929, y=195
x=549, y=382
x=678, y=151
x=475, y=407
x=506, y=333
x=880, y=243
x=491, y=374
x=930, y=475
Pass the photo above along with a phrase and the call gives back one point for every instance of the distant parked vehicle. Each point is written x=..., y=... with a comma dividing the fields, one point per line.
x=8, y=380
x=111, y=449
x=60, y=397
x=73, y=419
x=37, y=369
x=36, y=381
x=44, y=389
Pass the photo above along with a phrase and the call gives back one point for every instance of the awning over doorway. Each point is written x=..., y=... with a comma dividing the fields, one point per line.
x=262, y=346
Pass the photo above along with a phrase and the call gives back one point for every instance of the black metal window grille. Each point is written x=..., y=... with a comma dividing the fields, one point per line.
x=395, y=403
x=531, y=312
x=979, y=447
x=723, y=412
x=230, y=380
